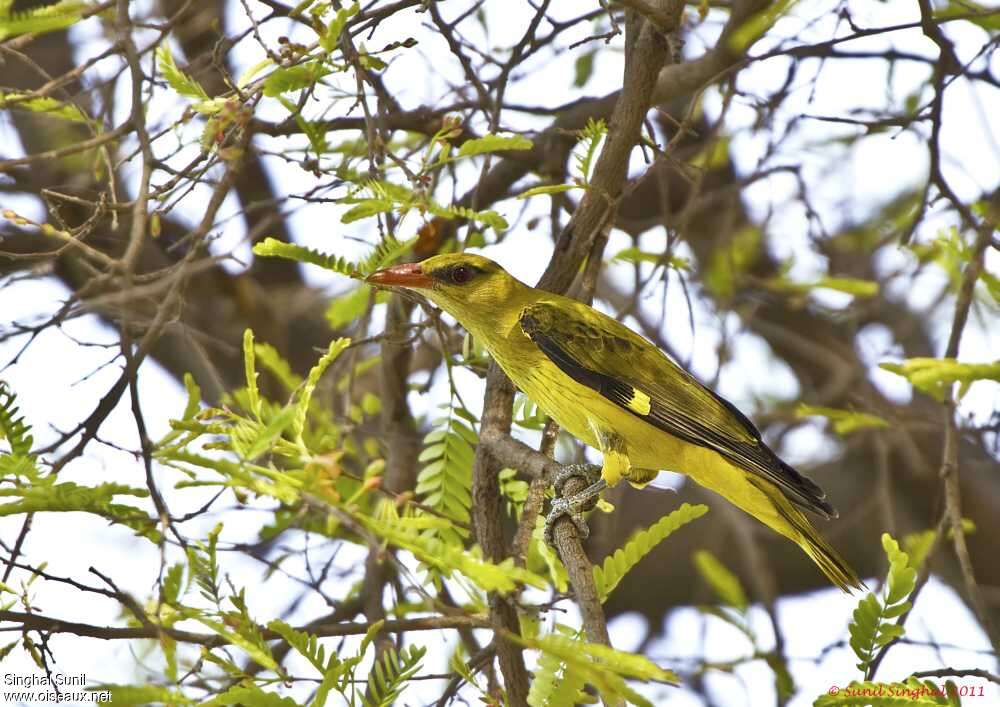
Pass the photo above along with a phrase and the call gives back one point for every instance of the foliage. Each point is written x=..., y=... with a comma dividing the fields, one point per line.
x=731, y=263
x=46, y=105
x=445, y=482
x=590, y=138
x=389, y=676
x=163, y=141
x=935, y=376
x=556, y=682
x=13, y=428
x=844, y=422
x=870, y=627
x=604, y=668
x=39, y=20
x=387, y=251
x=723, y=582
x=921, y=693
x=31, y=490
x=617, y=565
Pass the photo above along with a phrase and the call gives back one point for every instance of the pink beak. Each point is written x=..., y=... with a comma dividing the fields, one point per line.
x=404, y=275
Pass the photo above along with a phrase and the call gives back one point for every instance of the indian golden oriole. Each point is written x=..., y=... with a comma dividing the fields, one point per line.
x=618, y=392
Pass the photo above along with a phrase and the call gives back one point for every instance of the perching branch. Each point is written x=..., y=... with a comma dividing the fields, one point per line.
x=950, y=463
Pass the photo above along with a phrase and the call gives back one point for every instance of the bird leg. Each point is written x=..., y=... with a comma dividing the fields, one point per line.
x=575, y=505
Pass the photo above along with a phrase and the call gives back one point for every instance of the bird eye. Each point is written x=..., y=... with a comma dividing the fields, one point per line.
x=461, y=274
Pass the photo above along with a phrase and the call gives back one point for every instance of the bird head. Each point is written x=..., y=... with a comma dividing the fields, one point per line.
x=471, y=288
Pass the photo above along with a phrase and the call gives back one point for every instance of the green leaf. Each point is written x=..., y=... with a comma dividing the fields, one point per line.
x=293, y=78
x=272, y=247
x=851, y=286
x=583, y=68
x=892, y=612
x=783, y=682
x=388, y=677
x=267, y=435
x=173, y=584
x=67, y=497
x=757, y=25
x=934, y=376
x=918, y=545
x=723, y=582
x=863, y=629
x=992, y=283
x=902, y=577
x=621, y=562
x=306, y=644
x=12, y=427
x=250, y=696
x=178, y=80
x=245, y=638
x=556, y=683
x=603, y=667
x=250, y=372
x=387, y=251
x=247, y=76
x=590, y=139
x=40, y=20
x=493, y=143
x=370, y=61
x=548, y=189
x=488, y=218
x=43, y=104
x=348, y=307
x=448, y=559
x=301, y=407
x=329, y=39
x=844, y=421
x=367, y=208
x=632, y=254
x=714, y=155
x=970, y=11
x=270, y=359
x=870, y=629
x=730, y=262
x=445, y=482
x=194, y=397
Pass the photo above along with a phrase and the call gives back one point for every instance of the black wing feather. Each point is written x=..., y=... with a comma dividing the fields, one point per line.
x=754, y=456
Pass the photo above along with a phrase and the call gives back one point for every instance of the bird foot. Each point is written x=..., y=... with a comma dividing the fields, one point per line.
x=591, y=473
x=573, y=507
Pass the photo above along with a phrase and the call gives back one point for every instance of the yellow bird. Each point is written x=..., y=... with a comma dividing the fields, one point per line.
x=617, y=392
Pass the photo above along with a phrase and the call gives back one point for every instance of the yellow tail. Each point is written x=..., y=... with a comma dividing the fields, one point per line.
x=830, y=563
x=802, y=532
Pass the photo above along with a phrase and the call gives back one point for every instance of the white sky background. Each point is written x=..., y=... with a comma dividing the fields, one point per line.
x=56, y=389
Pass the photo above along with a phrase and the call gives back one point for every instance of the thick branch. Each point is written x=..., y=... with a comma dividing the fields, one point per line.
x=486, y=517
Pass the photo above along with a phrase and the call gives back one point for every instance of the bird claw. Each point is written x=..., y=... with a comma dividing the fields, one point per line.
x=590, y=473
x=565, y=507
x=575, y=505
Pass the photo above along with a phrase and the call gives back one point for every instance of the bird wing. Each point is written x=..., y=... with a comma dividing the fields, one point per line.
x=608, y=357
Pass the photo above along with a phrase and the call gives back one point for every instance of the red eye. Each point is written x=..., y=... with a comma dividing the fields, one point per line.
x=461, y=274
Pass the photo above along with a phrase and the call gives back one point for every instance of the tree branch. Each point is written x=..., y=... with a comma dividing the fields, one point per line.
x=38, y=622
